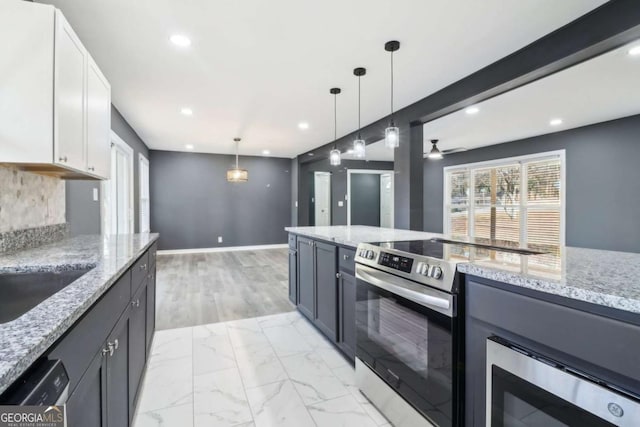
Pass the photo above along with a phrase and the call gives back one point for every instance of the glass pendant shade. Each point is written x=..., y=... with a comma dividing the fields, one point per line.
x=335, y=157
x=391, y=137
x=359, y=148
x=434, y=154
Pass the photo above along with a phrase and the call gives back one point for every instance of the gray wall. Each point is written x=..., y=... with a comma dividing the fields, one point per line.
x=192, y=203
x=365, y=199
x=83, y=213
x=338, y=186
x=603, y=181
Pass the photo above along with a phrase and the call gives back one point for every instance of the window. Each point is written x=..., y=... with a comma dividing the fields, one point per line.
x=509, y=202
x=145, y=226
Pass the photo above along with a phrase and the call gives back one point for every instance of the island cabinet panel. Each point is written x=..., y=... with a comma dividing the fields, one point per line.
x=326, y=289
x=347, y=314
x=587, y=339
x=151, y=308
x=293, y=276
x=306, y=278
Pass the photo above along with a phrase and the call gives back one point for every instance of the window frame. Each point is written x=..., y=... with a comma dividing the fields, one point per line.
x=144, y=181
x=523, y=206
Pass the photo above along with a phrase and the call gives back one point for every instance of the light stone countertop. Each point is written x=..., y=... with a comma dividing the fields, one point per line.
x=605, y=278
x=25, y=339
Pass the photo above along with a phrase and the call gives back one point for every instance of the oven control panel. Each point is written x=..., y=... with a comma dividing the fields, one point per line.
x=396, y=262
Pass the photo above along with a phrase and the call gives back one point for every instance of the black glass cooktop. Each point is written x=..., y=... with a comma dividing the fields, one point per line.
x=435, y=248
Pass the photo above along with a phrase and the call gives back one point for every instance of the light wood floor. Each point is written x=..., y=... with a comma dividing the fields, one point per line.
x=197, y=289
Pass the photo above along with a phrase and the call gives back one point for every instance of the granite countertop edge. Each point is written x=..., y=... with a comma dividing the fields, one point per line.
x=31, y=334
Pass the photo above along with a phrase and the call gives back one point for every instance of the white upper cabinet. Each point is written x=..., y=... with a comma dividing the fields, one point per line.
x=70, y=75
x=98, y=122
x=55, y=104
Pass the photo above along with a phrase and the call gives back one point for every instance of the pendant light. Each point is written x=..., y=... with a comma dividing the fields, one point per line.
x=392, y=133
x=335, y=156
x=359, y=146
x=434, y=154
x=236, y=174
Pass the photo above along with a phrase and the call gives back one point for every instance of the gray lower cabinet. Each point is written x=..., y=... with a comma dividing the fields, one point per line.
x=137, y=342
x=326, y=289
x=306, y=278
x=347, y=314
x=105, y=352
x=87, y=404
x=117, y=391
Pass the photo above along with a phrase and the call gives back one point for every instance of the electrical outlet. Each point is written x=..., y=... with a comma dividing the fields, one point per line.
x=340, y=203
x=95, y=194
x=219, y=239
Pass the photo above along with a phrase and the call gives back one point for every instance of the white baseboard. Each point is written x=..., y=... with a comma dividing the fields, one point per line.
x=222, y=249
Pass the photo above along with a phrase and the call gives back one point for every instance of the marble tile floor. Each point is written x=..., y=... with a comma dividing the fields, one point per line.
x=275, y=370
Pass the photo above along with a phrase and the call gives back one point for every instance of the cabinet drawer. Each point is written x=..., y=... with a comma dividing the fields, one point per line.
x=139, y=272
x=292, y=241
x=153, y=252
x=346, y=260
x=77, y=348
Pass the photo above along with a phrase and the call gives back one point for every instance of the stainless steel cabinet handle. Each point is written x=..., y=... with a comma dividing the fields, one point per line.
x=338, y=275
x=105, y=351
x=345, y=257
x=135, y=303
x=62, y=159
x=143, y=267
x=111, y=348
x=116, y=343
x=91, y=168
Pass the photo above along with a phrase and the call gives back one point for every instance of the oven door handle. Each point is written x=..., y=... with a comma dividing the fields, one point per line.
x=438, y=301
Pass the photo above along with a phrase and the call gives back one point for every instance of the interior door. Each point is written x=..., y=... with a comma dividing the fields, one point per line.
x=118, y=191
x=386, y=200
x=322, y=188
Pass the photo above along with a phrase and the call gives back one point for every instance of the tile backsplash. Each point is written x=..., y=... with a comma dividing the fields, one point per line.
x=28, y=200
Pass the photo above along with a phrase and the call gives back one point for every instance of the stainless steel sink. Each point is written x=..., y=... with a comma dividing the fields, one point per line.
x=20, y=292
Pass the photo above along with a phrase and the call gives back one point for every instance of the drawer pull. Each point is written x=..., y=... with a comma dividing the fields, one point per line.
x=345, y=257
x=62, y=159
x=143, y=267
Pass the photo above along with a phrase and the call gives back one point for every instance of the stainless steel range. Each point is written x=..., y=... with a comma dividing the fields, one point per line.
x=409, y=331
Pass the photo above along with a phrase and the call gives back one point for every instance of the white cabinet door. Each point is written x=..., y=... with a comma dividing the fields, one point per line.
x=26, y=82
x=98, y=122
x=69, y=109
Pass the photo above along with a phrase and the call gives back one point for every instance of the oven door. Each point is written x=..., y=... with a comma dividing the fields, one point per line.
x=405, y=335
x=526, y=390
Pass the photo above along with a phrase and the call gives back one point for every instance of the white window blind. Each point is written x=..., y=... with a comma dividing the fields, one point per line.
x=510, y=202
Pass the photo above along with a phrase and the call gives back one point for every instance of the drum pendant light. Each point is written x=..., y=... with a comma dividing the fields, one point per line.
x=392, y=133
x=236, y=174
x=335, y=156
x=359, y=145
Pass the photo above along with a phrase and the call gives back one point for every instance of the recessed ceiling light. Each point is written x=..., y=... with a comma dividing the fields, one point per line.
x=555, y=122
x=635, y=51
x=472, y=110
x=189, y=146
x=303, y=125
x=180, y=40
x=187, y=111
x=266, y=152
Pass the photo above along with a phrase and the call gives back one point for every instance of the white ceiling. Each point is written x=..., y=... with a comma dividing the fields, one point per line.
x=598, y=90
x=256, y=68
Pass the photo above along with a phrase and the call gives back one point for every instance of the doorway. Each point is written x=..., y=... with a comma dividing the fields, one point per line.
x=322, y=198
x=117, y=208
x=370, y=198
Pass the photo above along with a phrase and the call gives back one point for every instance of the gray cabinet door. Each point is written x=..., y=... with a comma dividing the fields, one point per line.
x=137, y=342
x=293, y=276
x=87, y=404
x=117, y=390
x=347, y=314
x=151, y=307
x=326, y=289
x=306, y=283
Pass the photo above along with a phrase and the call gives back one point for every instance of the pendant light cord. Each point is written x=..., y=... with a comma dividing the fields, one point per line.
x=335, y=119
x=359, y=107
x=392, y=87
x=237, y=144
